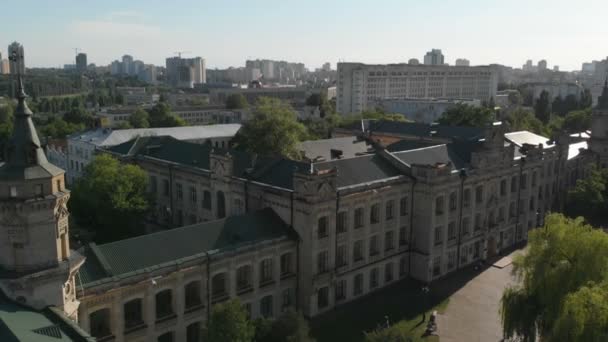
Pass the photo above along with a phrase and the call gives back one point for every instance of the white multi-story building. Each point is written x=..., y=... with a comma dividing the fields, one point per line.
x=82, y=146
x=434, y=57
x=361, y=85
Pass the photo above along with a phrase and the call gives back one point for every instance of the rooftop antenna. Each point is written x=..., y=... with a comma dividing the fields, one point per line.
x=76, y=51
x=179, y=53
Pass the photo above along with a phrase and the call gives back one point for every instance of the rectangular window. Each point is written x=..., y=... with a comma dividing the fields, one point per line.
x=373, y=245
x=389, y=241
x=323, y=297
x=266, y=272
x=439, y=205
x=466, y=198
x=341, y=222
x=437, y=266
x=178, y=191
x=402, y=236
x=512, y=209
x=479, y=194
x=322, y=227
x=402, y=267
x=341, y=289
x=373, y=278
x=466, y=225
x=503, y=187
x=341, y=256
x=453, y=201
x=523, y=180
x=358, y=285
x=478, y=222
x=403, y=208
x=438, y=236
x=388, y=272
x=165, y=187
x=513, y=184
x=322, y=259
x=451, y=259
x=358, y=251
x=153, y=185
x=287, y=298
x=389, y=209
x=374, y=215
x=358, y=217
x=206, y=200
x=286, y=264
x=193, y=194
x=451, y=231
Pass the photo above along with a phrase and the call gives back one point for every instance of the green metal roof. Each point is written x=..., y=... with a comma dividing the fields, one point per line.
x=162, y=248
x=20, y=323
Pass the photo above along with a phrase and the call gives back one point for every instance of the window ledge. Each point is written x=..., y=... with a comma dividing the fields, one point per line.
x=135, y=327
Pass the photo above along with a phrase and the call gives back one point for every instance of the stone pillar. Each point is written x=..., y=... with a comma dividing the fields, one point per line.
x=117, y=319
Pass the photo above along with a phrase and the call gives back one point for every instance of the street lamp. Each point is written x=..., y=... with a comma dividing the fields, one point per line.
x=425, y=293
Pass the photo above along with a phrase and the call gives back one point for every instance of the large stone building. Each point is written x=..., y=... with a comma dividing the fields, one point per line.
x=361, y=85
x=309, y=235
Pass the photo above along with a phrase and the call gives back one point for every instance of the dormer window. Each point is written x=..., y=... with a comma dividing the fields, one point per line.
x=12, y=192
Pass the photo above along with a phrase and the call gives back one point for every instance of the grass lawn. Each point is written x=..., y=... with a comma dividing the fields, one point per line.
x=402, y=302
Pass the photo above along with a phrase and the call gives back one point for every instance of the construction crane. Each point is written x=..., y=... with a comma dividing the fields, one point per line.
x=179, y=53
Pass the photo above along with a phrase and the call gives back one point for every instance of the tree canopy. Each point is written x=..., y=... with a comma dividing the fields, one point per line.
x=59, y=128
x=589, y=198
x=272, y=130
x=228, y=322
x=6, y=121
x=466, y=115
x=236, y=101
x=563, y=284
x=290, y=327
x=110, y=199
x=542, y=107
x=140, y=119
x=161, y=116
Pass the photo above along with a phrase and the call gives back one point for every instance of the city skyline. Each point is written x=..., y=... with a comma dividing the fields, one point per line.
x=311, y=33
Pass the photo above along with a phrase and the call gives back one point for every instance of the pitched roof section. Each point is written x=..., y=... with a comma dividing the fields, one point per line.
x=335, y=148
x=107, y=137
x=359, y=170
x=434, y=155
x=422, y=130
x=170, y=246
x=20, y=323
x=524, y=137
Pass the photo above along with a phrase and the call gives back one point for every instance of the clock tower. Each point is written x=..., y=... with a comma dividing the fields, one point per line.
x=37, y=267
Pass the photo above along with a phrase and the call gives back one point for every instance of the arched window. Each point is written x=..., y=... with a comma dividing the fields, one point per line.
x=218, y=286
x=133, y=313
x=192, y=293
x=99, y=322
x=164, y=304
x=221, y=205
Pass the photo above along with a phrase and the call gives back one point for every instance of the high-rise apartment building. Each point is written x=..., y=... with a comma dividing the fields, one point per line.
x=462, y=62
x=127, y=64
x=542, y=65
x=81, y=61
x=434, y=57
x=18, y=65
x=360, y=86
x=186, y=72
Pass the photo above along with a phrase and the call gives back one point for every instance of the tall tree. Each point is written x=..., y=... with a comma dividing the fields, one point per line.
x=111, y=199
x=589, y=198
x=524, y=120
x=577, y=121
x=140, y=119
x=228, y=322
x=465, y=115
x=236, y=101
x=586, y=100
x=564, y=267
x=161, y=116
x=542, y=108
x=272, y=130
x=290, y=327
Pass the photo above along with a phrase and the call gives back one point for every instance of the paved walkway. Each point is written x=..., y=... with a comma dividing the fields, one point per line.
x=472, y=313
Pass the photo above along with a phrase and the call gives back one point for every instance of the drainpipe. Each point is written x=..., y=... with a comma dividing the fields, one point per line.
x=336, y=233
x=172, y=223
x=463, y=177
x=409, y=259
x=208, y=286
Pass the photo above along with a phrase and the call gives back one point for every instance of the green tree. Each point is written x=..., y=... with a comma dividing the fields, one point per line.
x=228, y=322
x=566, y=264
x=465, y=115
x=272, y=130
x=586, y=100
x=236, y=101
x=78, y=115
x=140, y=119
x=110, y=199
x=542, y=108
x=161, y=116
x=290, y=327
x=59, y=128
x=589, y=198
x=577, y=121
x=524, y=120
x=6, y=121
x=124, y=125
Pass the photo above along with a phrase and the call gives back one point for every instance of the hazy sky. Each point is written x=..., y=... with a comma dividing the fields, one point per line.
x=226, y=32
